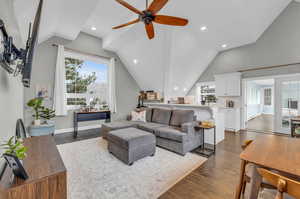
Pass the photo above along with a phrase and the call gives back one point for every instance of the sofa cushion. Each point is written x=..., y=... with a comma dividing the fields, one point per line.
x=180, y=117
x=161, y=116
x=120, y=125
x=149, y=126
x=171, y=134
x=130, y=138
x=138, y=116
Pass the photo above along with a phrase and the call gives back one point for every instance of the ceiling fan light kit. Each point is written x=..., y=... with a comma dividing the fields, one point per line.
x=149, y=15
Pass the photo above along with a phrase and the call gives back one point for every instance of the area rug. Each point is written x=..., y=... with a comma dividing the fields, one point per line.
x=94, y=173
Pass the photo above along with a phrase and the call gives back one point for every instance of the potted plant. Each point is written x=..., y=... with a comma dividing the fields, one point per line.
x=47, y=114
x=36, y=105
x=15, y=147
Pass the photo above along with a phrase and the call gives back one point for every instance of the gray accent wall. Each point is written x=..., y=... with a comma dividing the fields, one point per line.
x=44, y=71
x=280, y=44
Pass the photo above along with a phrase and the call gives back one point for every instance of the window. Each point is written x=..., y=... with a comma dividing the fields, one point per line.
x=86, y=81
x=267, y=96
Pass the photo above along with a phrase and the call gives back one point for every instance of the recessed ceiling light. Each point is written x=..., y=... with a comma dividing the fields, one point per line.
x=135, y=61
x=203, y=28
x=185, y=89
x=93, y=28
x=176, y=88
x=224, y=46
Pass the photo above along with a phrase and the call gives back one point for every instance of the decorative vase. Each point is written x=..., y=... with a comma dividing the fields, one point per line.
x=37, y=122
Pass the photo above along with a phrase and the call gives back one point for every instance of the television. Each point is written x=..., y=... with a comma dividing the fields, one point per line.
x=19, y=61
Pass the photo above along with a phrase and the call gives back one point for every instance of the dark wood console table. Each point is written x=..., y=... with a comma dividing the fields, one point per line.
x=46, y=171
x=89, y=116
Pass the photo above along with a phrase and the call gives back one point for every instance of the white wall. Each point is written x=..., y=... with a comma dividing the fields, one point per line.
x=253, y=109
x=11, y=89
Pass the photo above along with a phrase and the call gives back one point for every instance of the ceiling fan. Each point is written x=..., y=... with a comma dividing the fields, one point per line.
x=150, y=15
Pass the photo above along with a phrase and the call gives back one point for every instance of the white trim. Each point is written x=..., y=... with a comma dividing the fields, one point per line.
x=81, y=128
x=270, y=77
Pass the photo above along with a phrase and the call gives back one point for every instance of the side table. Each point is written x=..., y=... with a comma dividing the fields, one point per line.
x=295, y=123
x=205, y=151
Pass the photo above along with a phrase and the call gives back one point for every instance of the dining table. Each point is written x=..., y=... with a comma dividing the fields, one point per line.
x=272, y=152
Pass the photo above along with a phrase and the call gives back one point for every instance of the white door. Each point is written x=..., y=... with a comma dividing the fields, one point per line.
x=287, y=98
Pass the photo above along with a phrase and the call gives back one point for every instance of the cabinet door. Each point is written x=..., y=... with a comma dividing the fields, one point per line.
x=221, y=86
x=233, y=86
x=232, y=120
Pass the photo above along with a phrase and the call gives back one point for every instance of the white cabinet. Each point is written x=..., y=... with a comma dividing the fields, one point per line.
x=232, y=119
x=228, y=84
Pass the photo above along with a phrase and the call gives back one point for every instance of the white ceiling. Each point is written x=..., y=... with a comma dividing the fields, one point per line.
x=178, y=55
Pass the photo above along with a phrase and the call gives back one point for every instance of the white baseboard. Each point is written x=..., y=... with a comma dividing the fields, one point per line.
x=81, y=128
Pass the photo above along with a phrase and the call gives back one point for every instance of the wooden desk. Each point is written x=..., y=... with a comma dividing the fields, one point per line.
x=89, y=116
x=46, y=171
x=278, y=153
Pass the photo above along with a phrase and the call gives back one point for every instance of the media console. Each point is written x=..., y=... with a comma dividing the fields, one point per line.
x=46, y=171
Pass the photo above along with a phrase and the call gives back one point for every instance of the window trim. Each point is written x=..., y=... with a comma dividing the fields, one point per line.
x=270, y=96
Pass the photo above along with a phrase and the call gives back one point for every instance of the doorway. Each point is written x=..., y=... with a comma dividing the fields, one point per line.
x=287, y=105
x=259, y=105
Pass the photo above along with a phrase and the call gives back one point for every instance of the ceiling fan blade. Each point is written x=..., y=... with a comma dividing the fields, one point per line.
x=169, y=20
x=126, y=24
x=130, y=7
x=150, y=30
x=157, y=5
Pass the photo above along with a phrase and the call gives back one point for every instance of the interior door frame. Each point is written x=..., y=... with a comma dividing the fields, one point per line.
x=244, y=96
x=278, y=102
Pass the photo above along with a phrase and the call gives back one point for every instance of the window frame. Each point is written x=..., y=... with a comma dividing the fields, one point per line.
x=84, y=57
x=269, y=97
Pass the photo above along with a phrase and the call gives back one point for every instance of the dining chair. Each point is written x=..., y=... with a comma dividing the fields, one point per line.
x=282, y=184
x=246, y=170
x=20, y=129
x=246, y=178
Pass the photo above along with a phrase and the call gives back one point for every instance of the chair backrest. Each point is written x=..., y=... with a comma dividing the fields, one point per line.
x=20, y=129
x=246, y=143
x=283, y=184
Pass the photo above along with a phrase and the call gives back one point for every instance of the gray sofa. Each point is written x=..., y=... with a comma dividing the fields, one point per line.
x=174, y=129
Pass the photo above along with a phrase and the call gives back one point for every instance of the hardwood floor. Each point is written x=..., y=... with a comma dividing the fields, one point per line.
x=215, y=179
x=82, y=135
x=262, y=122
x=218, y=176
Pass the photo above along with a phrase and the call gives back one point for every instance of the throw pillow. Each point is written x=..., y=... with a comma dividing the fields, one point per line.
x=138, y=116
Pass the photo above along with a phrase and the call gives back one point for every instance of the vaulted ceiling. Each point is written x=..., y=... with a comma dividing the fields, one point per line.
x=173, y=61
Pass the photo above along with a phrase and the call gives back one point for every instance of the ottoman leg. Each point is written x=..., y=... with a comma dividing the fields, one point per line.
x=130, y=164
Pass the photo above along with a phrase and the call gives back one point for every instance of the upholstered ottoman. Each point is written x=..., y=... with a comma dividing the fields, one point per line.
x=107, y=127
x=131, y=144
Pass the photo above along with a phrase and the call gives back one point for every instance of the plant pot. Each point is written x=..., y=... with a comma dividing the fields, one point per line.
x=50, y=122
x=37, y=122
